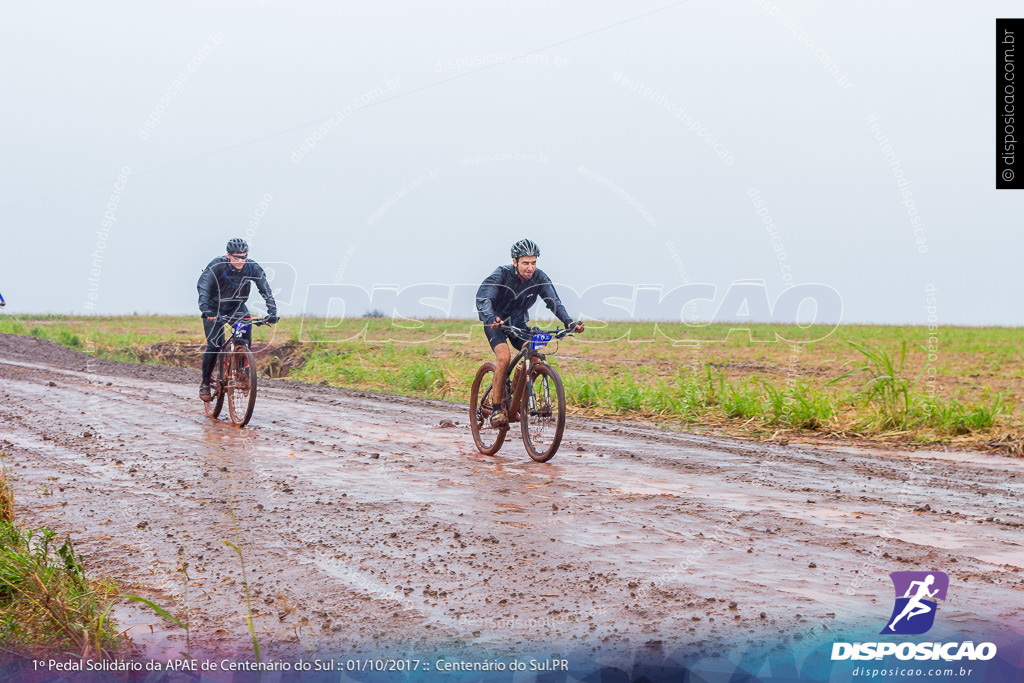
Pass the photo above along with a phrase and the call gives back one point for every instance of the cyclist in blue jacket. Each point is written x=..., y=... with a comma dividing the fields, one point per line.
x=224, y=288
x=506, y=297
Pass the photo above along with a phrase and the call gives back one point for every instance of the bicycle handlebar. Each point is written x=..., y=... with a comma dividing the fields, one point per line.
x=232, y=319
x=526, y=335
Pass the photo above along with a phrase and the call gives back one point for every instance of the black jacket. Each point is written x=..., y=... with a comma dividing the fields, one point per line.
x=221, y=287
x=507, y=296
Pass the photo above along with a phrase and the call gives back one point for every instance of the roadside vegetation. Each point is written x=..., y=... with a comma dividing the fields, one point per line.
x=48, y=606
x=859, y=381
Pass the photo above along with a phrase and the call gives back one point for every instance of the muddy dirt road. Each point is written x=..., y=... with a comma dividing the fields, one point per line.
x=366, y=525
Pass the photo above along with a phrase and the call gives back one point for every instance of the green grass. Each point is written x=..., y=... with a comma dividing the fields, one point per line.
x=423, y=376
x=626, y=395
x=955, y=418
x=885, y=391
x=778, y=407
x=583, y=390
x=691, y=397
x=48, y=606
x=739, y=400
x=6, y=496
x=860, y=379
x=11, y=325
x=874, y=397
x=695, y=393
x=810, y=409
x=46, y=602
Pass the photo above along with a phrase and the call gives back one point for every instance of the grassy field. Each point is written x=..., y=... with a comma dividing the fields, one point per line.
x=877, y=382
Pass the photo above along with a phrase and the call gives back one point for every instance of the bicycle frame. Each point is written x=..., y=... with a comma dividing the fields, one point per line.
x=238, y=330
x=528, y=356
x=239, y=325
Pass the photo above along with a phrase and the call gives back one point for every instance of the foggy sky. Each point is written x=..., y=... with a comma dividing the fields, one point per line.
x=396, y=144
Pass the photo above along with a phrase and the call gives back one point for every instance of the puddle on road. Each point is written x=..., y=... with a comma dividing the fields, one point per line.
x=1015, y=559
x=963, y=457
x=968, y=544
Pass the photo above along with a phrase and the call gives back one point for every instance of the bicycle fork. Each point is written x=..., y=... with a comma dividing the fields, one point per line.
x=544, y=409
x=531, y=398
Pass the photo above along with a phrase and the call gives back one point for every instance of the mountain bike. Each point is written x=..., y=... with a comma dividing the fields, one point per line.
x=538, y=404
x=236, y=373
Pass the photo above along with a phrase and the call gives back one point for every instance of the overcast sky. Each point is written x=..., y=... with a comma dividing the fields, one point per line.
x=404, y=143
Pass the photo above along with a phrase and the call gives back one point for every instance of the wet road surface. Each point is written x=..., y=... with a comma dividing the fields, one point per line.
x=363, y=523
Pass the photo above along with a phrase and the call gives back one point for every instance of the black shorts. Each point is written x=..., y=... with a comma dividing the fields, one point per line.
x=495, y=337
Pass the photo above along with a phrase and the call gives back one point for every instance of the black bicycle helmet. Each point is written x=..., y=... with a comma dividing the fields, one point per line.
x=237, y=246
x=525, y=248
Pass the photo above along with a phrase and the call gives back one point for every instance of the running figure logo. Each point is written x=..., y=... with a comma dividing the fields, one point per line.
x=917, y=596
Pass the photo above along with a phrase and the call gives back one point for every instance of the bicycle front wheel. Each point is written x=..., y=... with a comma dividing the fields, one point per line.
x=488, y=439
x=542, y=413
x=241, y=385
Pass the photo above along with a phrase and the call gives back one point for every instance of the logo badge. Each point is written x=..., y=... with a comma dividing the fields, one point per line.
x=917, y=597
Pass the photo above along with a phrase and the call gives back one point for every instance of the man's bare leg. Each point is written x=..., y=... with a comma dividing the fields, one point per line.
x=502, y=357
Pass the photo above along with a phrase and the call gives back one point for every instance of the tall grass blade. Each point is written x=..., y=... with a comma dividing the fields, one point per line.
x=248, y=602
x=160, y=611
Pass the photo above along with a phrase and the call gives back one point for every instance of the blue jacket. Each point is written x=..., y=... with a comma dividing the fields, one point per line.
x=222, y=287
x=507, y=296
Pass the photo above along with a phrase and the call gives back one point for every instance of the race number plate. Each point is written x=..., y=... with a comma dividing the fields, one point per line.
x=540, y=341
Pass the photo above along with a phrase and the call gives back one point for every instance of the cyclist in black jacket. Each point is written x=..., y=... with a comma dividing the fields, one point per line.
x=506, y=296
x=223, y=290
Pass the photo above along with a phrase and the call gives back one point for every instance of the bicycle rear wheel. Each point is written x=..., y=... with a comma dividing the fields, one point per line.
x=542, y=413
x=488, y=439
x=213, y=406
x=241, y=385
